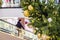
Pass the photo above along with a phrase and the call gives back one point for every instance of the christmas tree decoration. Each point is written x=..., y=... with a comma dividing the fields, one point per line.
x=26, y=13
x=30, y=7
x=39, y=35
x=44, y=16
x=0, y=3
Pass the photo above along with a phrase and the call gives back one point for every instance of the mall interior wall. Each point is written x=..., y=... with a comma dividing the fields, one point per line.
x=11, y=12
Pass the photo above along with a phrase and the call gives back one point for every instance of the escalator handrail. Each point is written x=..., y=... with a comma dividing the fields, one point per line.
x=29, y=33
x=13, y=25
x=6, y=22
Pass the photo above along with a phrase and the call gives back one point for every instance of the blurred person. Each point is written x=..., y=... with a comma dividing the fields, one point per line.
x=19, y=25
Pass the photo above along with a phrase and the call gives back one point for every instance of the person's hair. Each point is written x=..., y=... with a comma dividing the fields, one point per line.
x=19, y=19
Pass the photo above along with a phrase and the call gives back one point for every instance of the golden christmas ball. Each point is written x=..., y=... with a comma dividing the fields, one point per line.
x=39, y=35
x=26, y=13
x=30, y=7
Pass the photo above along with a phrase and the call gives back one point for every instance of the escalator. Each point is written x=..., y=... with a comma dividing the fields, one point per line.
x=9, y=31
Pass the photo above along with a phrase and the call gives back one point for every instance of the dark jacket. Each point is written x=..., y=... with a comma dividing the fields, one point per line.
x=19, y=25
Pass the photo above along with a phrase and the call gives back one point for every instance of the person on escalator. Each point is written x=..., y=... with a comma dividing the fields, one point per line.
x=19, y=25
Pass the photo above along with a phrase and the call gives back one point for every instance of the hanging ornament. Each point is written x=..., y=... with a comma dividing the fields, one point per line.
x=39, y=35
x=26, y=13
x=49, y=19
x=30, y=7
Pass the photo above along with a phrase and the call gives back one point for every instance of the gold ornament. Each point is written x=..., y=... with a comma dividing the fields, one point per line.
x=39, y=35
x=26, y=13
x=30, y=7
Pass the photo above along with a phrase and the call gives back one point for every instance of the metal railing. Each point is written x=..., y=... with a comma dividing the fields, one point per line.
x=12, y=29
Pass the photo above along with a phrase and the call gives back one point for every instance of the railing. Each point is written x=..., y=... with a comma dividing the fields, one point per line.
x=12, y=29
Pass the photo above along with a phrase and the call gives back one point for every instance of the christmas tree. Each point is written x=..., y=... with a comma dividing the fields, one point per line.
x=45, y=17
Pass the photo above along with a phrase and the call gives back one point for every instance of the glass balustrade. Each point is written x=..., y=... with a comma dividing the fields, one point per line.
x=6, y=27
x=12, y=29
